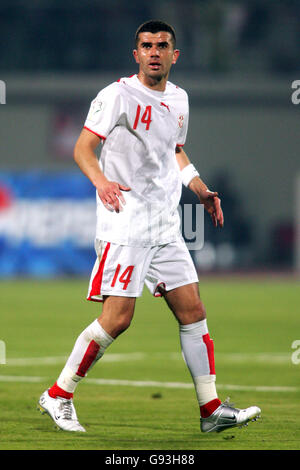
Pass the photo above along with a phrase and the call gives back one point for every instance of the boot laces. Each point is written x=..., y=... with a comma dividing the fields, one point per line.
x=228, y=403
x=66, y=409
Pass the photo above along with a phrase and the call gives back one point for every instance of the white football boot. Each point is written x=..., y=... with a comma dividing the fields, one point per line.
x=226, y=416
x=61, y=410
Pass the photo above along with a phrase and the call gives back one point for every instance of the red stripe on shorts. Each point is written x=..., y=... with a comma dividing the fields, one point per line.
x=210, y=353
x=97, y=281
x=88, y=358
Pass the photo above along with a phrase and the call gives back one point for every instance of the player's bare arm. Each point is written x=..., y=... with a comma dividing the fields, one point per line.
x=210, y=199
x=110, y=192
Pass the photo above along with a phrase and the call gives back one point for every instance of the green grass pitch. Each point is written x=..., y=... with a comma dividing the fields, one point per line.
x=253, y=323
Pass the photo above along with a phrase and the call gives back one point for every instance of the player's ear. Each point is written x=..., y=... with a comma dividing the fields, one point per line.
x=176, y=54
x=135, y=55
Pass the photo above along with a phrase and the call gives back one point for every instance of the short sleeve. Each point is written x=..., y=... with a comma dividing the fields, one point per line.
x=104, y=111
x=183, y=123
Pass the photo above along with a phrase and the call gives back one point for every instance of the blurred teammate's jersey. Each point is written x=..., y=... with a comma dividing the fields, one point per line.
x=140, y=128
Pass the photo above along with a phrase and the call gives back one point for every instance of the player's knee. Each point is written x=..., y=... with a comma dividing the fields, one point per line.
x=123, y=322
x=196, y=312
x=200, y=311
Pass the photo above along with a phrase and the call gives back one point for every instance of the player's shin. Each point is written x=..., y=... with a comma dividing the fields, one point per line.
x=198, y=352
x=88, y=349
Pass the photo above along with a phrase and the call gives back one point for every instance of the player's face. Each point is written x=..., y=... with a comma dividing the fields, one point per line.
x=155, y=55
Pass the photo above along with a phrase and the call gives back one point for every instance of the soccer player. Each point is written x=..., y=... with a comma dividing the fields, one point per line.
x=142, y=123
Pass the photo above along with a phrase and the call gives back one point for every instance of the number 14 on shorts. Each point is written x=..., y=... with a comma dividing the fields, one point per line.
x=124, y=277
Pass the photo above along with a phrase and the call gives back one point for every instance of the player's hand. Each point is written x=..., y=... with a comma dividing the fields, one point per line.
x=212, y=204
x=111, y=195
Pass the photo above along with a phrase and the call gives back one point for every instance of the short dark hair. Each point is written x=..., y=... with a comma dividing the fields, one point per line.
x=155, y=26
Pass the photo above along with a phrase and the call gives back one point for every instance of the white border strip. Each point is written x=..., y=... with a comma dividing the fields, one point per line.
x=150, y=383
x=230, y=358
x=21, y=378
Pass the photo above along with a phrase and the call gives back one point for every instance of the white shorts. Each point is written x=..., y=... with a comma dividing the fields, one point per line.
x=122, y=270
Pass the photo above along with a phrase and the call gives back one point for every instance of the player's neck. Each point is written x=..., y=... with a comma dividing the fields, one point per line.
x=153, y=83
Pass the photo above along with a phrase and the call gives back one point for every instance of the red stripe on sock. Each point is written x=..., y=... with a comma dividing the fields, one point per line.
x=88, y=358
x=56, y=391
x=207, y=409
x=210, y=353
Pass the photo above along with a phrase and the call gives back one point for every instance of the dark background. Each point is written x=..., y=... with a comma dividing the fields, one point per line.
x=238, y=62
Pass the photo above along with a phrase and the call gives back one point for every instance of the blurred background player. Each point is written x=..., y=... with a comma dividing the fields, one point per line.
x=142, y=121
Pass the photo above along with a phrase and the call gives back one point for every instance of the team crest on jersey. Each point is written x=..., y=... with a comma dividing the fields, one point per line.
x=180, y=120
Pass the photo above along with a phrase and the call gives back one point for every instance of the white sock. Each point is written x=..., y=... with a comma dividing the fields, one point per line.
x=88, y=349
x=205, y=387
x=198, y=353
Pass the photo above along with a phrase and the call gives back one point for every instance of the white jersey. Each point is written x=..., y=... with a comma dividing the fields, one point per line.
x=140, y=128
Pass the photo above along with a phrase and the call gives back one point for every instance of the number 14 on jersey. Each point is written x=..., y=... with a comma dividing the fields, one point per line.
x=145, y=119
